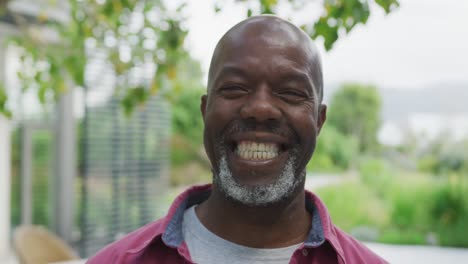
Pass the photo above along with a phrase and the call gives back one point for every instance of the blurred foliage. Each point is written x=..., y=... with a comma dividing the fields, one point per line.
x=436, y=207
x=3, y=100
x=376, y=173
x=190, y=173
x=135, y=33
x=401, y=207
x=187, y=135
x=341, y=16
x=351, y=129
x=129, y=34
x=15, y=177
x=188, y=159
x=407, y=237
x=355, y=111
x=338, y=17
x=41, y=157
x=186, y=115
x=352, y=204
x=189, y=162
x=443, y=158
x=449, y=203
x=407, y=215
x=334, y=151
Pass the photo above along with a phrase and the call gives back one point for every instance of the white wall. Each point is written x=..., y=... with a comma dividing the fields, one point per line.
x=5, y=177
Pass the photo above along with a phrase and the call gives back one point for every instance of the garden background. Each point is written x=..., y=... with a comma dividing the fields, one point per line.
x=391, y=162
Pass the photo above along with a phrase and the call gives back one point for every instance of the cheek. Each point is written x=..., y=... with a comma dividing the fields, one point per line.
x=219, y=114
x=305, y=124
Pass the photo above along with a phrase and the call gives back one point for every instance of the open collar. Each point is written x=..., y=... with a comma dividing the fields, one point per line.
x=171, y=234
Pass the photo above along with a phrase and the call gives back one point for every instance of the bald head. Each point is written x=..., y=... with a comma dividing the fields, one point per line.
x=267, y=32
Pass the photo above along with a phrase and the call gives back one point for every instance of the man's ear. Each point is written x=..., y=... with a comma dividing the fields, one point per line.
x=322, y=116
x=203, y=106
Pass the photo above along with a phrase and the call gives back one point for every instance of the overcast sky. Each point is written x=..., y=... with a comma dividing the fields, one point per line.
x=424, y=42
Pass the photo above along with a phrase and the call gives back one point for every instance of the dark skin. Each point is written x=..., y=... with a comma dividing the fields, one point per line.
x=264, y=73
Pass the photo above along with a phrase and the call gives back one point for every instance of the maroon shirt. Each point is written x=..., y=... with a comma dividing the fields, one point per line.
x=162, y=241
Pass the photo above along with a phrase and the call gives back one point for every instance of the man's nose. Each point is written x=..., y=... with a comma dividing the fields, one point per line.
x=260, y=106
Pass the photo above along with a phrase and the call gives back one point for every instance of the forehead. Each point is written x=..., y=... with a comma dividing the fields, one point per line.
x=263, y=54
x=278, y=40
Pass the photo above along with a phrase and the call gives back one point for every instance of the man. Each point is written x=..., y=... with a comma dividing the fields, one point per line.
x=262, y=115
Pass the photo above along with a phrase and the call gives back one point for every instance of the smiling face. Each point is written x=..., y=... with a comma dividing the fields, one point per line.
x=263, y=111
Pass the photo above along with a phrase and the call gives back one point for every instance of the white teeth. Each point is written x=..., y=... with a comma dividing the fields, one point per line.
x=254, y=146
x=261, y=147
x=257, y=151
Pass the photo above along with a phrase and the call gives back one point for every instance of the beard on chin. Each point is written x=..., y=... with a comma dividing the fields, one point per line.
x=281, y=189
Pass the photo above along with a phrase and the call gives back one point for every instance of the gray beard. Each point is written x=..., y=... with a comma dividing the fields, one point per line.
x=260, y=195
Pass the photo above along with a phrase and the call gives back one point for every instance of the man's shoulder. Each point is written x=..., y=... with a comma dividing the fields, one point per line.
x=140, y=239
x=355, y=251
x=131, y=243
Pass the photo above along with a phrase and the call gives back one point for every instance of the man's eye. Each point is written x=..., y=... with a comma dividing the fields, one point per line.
x=293, y=96
x=233, y=91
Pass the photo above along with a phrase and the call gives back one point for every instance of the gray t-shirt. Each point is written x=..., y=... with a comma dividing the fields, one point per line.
x=206, y=248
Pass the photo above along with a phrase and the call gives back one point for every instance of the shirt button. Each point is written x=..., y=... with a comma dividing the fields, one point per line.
x=305, y=252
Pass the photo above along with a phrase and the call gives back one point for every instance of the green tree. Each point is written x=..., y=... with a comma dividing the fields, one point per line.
x=133, y=33
x=355, y=111
x=443, y=158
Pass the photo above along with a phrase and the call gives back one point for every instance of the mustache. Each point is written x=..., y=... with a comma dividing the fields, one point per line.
x=273, y=127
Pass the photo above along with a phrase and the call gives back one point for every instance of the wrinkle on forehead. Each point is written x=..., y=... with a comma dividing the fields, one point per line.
x=271, y=32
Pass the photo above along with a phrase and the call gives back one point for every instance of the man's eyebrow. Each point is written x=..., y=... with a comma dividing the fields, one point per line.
x=230, y=70
x=295, y=76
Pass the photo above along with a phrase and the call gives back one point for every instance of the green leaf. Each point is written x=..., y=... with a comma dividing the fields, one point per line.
x=267, y=6
x=329, y=33
x=134, y=97
x=3, y=95
x=181, y=7
x=41, y=93
x=340, y=16
x=3, y=99
x=388, y=5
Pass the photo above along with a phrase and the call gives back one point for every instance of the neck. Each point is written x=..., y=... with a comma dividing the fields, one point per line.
x=278, y=225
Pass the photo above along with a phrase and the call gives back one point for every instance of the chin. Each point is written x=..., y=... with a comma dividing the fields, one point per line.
x=258, y=189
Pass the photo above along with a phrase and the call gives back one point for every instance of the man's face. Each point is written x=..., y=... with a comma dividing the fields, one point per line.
x=262, y=116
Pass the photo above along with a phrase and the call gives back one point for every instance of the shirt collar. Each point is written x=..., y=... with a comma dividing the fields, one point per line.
x=171, y=232
x=172, y=235
x=329, y=232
